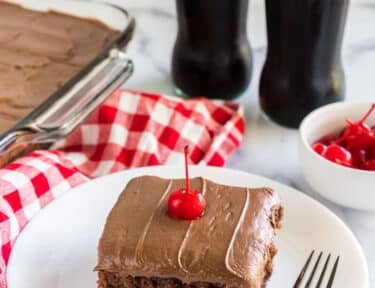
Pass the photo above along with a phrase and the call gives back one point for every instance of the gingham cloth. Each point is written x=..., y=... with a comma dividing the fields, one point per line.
x=131, y=129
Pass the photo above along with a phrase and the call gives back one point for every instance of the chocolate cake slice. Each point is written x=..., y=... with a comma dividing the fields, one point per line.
x=231, y=245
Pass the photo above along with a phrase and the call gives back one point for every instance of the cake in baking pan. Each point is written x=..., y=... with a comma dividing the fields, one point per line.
x=39, y=52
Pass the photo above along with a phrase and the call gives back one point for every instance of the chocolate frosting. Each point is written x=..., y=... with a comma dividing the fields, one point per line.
x=228, y=245
x=38, y=53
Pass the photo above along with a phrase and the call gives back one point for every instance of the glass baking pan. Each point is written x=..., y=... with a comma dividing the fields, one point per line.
x=69, y=105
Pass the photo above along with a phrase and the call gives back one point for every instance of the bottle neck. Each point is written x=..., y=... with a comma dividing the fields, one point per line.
x=219, y=22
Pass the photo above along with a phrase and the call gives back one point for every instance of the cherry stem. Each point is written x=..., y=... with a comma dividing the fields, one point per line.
x=186, y=152
x=367, y=114
x=349, y=122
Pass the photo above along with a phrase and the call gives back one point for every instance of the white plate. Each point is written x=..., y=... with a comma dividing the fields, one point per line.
x=58, y=247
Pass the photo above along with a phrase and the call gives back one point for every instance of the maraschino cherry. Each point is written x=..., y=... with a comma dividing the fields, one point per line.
x=354, y=147
x=358, y=135
x=339, y=155
x=185, y=203
x=319, y=148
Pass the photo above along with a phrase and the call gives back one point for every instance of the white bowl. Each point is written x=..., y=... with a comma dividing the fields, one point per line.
x=349, y=187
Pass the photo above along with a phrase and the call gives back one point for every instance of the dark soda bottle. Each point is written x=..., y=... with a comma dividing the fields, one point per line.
x=212, y=55
x=303, y=67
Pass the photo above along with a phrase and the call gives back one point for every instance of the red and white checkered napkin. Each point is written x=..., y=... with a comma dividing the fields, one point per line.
x=131, y=129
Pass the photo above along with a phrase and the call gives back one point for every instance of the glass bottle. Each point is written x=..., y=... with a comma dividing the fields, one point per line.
x=212, y=55
x=303, y=68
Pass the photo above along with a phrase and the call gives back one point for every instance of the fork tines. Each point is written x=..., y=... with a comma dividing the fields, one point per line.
x=314, y=272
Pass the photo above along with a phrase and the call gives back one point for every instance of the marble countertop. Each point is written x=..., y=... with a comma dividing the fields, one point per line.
x=267, y=149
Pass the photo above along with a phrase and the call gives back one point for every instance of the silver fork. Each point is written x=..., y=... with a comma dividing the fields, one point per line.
x=314, y=269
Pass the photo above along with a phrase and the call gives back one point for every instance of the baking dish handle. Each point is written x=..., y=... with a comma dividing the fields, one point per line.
x=66, y=113
x=16, y=144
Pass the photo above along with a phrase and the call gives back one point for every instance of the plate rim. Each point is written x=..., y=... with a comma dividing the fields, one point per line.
x=156, y=169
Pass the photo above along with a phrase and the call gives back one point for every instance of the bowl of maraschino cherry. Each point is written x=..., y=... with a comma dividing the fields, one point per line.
x=337, y=153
